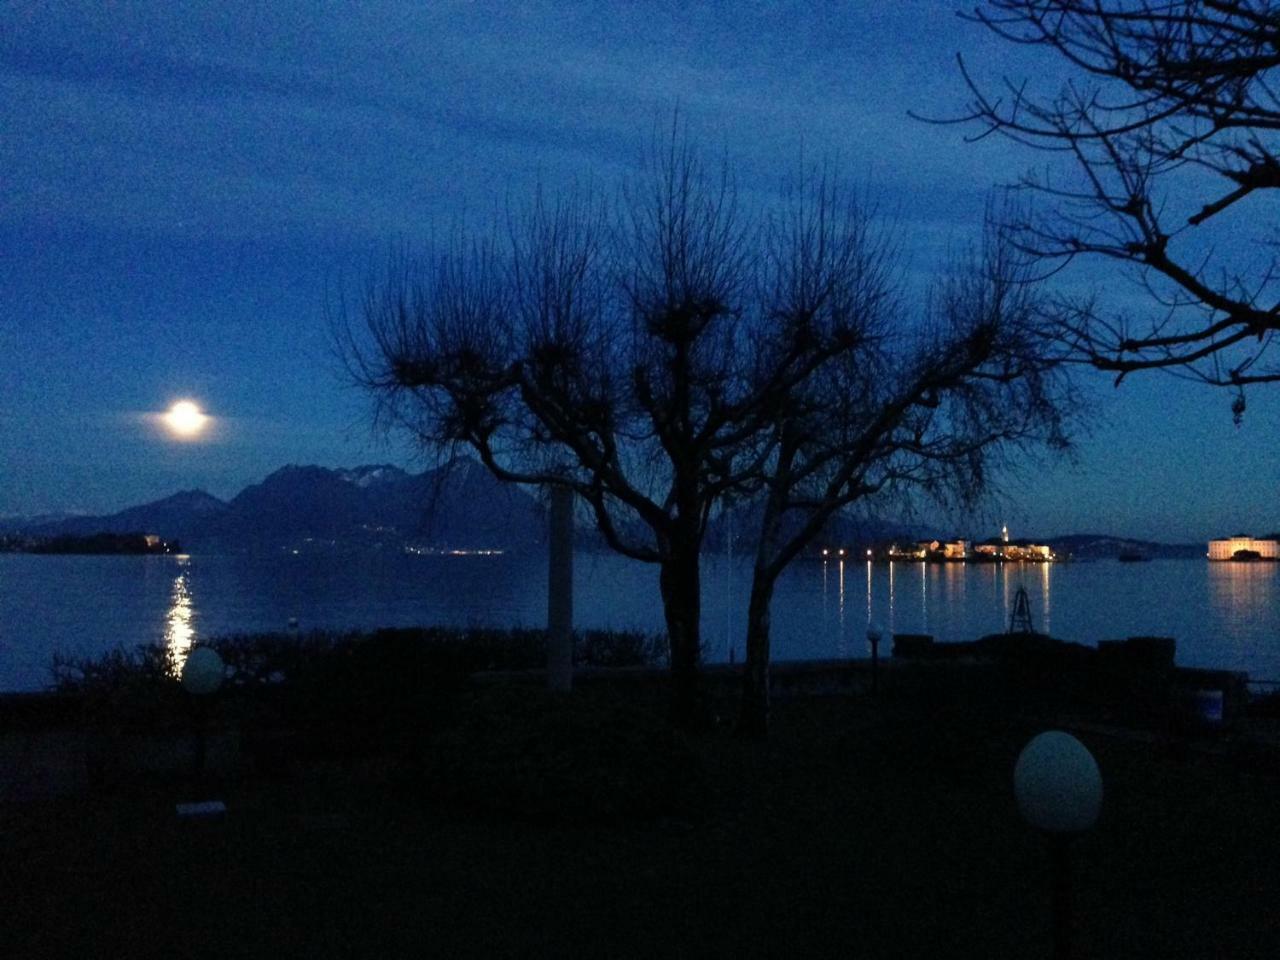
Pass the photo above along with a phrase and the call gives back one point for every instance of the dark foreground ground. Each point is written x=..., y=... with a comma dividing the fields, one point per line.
x=864, y=828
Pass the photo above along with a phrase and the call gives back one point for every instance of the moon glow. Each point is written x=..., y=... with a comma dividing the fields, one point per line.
x=185, y=420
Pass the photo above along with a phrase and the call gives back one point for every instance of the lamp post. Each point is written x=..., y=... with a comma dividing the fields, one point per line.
x=874, y=635
x=1059, y=792
x=202, y=675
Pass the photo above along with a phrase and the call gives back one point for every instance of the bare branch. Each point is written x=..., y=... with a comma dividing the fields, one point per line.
x=1158, y=89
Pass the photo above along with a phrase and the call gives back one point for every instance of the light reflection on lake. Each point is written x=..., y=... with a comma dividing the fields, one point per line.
x=1243, y=600
x=179, y=633
x=1222, y=614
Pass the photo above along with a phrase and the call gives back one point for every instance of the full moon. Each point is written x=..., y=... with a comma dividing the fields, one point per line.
x=185, y=420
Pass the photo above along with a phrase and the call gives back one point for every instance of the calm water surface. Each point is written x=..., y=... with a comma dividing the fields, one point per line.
x=1222, y=614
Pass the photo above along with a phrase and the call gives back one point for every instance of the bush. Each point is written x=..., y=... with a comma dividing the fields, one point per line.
x=269, y=659
x=341, y=689
x=531, y=754
x=612, y=648
x=125, y=688
x=1265, y=704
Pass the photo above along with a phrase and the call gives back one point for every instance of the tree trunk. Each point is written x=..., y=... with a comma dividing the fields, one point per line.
x=682, y=607
x=753, y=716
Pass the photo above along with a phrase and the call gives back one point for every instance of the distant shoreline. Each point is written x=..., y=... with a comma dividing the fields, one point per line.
x=96, y=544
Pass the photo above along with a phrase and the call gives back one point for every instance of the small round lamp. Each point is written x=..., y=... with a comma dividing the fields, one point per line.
x=1057, y=783
x=203, y=671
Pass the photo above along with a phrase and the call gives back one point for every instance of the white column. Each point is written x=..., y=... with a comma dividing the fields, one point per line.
x=560, y=592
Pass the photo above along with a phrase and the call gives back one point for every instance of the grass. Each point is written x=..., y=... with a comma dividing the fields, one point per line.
x=862, y=828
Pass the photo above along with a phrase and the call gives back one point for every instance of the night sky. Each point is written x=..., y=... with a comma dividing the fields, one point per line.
x=184, y=188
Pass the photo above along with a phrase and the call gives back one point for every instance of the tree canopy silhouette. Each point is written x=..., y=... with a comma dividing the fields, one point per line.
x=1170, y=115
x=660, y=352
x=914, y=410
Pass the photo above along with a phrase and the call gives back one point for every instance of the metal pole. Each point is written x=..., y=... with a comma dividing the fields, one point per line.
x=1060, y=849
x=199, y=713
x=875, y=663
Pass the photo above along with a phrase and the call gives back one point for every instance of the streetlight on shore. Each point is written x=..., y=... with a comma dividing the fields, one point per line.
x=875, y=633
x=1059, y=791
x=202, y=675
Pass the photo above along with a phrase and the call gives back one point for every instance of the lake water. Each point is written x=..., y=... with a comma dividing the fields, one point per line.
x=1223, y=615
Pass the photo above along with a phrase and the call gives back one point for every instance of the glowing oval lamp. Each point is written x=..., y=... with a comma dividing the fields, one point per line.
x=1058, y=784
x=203, y=671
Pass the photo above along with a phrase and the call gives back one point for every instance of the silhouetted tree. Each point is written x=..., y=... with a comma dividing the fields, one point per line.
x=906, y=411
x=659, y=354
x=1170, y=115
x=596, y=347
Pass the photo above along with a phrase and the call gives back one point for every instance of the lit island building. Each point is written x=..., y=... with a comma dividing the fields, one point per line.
x=997, y=548
x=1242, y=546
x=1016, y=550
x=956, y=549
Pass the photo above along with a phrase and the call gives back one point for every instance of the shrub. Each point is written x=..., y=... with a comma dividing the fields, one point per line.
x=341, y=688
x=1265, y=704
x=125, y=688
x=613, y=648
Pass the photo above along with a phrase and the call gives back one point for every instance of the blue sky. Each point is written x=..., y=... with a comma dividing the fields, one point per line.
x=186, y=185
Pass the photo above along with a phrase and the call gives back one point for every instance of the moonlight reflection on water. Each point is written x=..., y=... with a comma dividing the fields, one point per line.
x=179, y=631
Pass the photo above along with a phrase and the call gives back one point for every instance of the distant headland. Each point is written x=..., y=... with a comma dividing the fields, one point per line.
x=95, y=543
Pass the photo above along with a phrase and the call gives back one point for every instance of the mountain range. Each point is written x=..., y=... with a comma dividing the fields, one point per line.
x=457, y=506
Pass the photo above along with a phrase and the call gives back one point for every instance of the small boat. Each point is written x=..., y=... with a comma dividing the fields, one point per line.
x=1131, y=557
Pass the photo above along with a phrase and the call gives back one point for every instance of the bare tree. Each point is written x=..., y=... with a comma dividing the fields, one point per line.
x=1170, y=117
x=658, y=355
x=904, y=411
x=596, y=348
